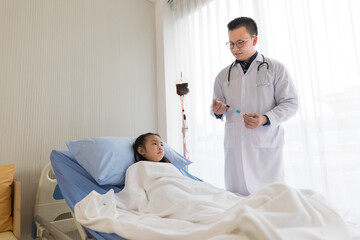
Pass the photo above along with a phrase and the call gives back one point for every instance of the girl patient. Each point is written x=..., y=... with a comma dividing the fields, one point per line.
x=149, y=147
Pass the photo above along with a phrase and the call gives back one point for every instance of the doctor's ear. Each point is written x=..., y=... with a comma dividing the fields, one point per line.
x=254, y=40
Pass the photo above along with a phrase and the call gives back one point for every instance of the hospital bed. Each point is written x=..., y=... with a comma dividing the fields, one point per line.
x=75, y=184
x=54, y=208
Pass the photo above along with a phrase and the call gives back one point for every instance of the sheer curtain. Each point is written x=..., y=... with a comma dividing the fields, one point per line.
x=319, y=42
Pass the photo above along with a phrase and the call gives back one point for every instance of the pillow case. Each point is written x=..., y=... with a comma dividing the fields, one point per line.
x=107, y=158
x=6, y=180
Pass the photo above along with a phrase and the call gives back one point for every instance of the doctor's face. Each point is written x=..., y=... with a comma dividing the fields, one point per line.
x=244, y=44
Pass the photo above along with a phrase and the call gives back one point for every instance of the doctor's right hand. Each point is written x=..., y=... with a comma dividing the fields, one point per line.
x=219, y=107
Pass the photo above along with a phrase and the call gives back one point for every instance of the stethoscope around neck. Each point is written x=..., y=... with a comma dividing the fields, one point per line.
x=264, y=63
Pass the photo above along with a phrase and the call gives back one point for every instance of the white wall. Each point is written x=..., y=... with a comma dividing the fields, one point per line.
x=69, y=70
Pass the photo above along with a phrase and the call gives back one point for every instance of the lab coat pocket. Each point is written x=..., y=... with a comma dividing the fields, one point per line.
x=262, y=78
x=266, y=137
x=229, y=136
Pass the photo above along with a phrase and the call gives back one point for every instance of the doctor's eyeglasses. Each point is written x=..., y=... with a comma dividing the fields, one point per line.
x=238, y=43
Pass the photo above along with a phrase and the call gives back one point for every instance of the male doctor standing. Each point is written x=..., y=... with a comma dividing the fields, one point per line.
x=255, y=94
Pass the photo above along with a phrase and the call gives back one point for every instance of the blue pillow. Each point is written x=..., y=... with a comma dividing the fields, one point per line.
x=107, y=158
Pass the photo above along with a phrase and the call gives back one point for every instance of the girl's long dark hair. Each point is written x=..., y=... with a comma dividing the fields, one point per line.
x=140, y=142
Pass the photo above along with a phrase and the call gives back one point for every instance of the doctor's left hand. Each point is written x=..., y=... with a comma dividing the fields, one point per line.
x=253, y=120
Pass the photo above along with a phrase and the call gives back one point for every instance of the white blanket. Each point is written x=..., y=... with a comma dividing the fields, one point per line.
x=159, y=203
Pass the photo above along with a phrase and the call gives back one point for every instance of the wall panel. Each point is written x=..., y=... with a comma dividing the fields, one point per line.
x=72, y=69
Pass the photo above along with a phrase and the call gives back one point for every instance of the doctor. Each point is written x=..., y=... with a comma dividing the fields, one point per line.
x=255, y=94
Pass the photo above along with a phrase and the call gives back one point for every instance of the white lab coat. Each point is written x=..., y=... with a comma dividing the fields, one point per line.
x=253, y=157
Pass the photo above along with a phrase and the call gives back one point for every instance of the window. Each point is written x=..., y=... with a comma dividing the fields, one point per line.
x=319, y=42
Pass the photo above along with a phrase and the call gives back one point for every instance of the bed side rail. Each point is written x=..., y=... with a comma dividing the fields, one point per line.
x=49, y=231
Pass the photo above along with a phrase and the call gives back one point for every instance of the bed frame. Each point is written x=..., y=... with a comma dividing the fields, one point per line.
x=53, y=219
x=53, y=213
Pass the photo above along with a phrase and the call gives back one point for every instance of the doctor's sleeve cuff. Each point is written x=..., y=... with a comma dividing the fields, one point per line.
x=267, y=120
x=218, y=116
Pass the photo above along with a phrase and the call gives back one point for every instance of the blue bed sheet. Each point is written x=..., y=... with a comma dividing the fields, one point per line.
x=76, y=183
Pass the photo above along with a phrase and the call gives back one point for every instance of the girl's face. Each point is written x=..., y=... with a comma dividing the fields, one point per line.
x=153, y=150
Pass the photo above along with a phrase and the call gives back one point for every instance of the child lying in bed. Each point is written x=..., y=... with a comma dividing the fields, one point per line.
x=149, y=147
x=159, y=203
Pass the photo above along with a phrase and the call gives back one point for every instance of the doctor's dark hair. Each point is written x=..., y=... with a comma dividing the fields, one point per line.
x=140, y=142
x=247, y=22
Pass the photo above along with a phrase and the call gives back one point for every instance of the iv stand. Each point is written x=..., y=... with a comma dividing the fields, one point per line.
x=184, y=127
x=181, y=90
